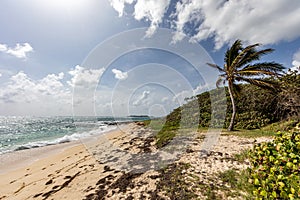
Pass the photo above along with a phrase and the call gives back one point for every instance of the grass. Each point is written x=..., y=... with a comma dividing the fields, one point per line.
x=250, y=133
x=238, y=183
x=173, y=183
x=165, y=132
x=267, y=131
x=234, y=183
x=155, y=124
x=282, y=126
x=242, y=156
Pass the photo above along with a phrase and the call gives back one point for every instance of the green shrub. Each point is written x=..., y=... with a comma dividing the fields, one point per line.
x=275, y=170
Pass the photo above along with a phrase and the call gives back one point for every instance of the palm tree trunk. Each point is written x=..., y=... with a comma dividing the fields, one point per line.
x=230, y=89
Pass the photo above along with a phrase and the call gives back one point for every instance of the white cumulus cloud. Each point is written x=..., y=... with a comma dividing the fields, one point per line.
x=142, y=98
x=149, y=10
x=84, y=82
x=119, y=74
x=152, y=10
x=22, y=95
x=253, y=21
x=21, y=88
x=181, y=96
x=84, y=77
x=19, y=51
x=296, y=60
x=296, y=68
x=119, y=5
x=3, y=47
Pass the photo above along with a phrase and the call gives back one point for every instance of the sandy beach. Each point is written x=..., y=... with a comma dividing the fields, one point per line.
x=97, y=169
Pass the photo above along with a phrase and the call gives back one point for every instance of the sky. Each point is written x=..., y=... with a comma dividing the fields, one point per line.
x=129, y=57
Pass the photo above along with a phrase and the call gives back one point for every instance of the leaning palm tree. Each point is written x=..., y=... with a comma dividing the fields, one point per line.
x=239, y=67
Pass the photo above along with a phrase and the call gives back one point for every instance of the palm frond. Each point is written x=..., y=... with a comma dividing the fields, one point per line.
x=262, y=83
x=233, y=52
x=215, y=66
x=253, y=55
x=255, y=73
x=270, y=67
x=248, y=50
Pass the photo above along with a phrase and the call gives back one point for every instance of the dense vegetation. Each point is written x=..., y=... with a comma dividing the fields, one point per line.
x=275, y=166
x=289, y=94
x=241, y=65
x=275, y=170
x=256, y=108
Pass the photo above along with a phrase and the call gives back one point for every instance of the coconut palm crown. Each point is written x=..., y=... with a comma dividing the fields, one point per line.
x=239, y=66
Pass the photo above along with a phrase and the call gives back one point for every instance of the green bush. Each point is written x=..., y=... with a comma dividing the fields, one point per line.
x=275, y=170
x=252, y=120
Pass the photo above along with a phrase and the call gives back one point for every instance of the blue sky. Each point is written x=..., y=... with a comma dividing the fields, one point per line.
x=53, y=58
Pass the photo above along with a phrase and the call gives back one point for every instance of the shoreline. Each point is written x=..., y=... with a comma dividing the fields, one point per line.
x=20, y=158
x=22, y=171
x=99, y=169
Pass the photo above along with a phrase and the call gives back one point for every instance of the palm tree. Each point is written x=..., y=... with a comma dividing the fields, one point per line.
x=239, y=67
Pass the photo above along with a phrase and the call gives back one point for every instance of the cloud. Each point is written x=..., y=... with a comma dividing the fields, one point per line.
x=202, y=88
x=180, y=97
x=224, y=21
x=51, y=84
x=22, y=89
x=22, y=95
x=0, y=74
x=119, y=74
x=152, y=10
x=119, y=5
x=84, y=77
x=3, y=47
x=141, y=99
x=253, y=21
x=149, y=10
x=296, y=68
x=19, y=51
x=296, y=60
x=84, y=82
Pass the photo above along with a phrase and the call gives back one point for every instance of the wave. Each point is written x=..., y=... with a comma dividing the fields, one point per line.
x=65, y=138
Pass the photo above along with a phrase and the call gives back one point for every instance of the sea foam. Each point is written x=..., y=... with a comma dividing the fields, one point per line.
x=66, y=138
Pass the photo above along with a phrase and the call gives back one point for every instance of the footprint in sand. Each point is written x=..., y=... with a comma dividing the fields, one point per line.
x=67, y=177
x=49, y=182
x=22, y=186
x=55, y=187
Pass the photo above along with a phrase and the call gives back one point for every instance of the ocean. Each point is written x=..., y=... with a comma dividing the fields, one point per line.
x=19, y=133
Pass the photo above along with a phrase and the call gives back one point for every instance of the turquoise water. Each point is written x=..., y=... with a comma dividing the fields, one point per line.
x=18, y=133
